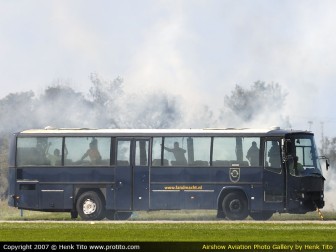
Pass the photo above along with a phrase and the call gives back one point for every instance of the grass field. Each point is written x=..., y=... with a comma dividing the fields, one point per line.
x=17, y=228
x=220, y=232
x=9, y=213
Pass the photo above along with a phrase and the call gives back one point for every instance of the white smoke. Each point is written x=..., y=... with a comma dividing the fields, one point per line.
x=329, y=186
x=108, y=104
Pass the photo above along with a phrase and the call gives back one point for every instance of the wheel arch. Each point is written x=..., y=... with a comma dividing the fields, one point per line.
x=80, y=190
x=229, y=189
x=94, y=209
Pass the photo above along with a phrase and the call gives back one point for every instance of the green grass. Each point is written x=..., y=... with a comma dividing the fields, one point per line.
x=136, y=230
x=10, y=213
x=220, y=232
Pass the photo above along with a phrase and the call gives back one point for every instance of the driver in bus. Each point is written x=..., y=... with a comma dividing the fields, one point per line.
x=298, y=166
x=92, y=153
x=179, y=154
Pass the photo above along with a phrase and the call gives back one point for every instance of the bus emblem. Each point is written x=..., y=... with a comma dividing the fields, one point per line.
x=234, y=174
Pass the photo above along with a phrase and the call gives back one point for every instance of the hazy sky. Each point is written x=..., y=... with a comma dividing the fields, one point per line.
x=196, y=49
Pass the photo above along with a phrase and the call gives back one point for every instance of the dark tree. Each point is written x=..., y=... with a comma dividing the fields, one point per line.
x=247, y=104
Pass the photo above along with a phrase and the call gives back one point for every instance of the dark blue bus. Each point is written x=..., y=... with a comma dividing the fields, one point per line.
x=109, y=173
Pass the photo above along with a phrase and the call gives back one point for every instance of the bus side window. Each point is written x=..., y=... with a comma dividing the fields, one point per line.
x=39, y=151
x=87, y=151
x=54, y=151
x=224, y=151
x=27, y=152
x=141, y=155
x=199, y=151
x=175, y=151
x=157, y=151
x=123, y=152
x=251, y=148
x=272, y=156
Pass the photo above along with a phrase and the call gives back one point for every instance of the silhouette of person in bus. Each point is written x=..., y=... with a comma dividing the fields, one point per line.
x=179, y=154
x=253, y=154
x=55, y=158
x=274, y=155
x=295, y=168
x=92, y=152
x=298, y=166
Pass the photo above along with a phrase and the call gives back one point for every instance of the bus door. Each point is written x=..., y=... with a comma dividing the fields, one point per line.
x=274, y=176
x=123, y=175
x=141, y=174
x=132, y=175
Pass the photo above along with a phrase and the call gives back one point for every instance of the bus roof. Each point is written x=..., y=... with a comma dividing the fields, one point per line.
x=274, y=131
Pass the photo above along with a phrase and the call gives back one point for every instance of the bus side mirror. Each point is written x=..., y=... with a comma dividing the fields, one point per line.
x=327, y=164
x=327, y=161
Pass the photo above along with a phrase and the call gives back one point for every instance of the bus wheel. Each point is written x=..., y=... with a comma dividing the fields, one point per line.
x=90, y=206
x=235, y=206
x=265, y=215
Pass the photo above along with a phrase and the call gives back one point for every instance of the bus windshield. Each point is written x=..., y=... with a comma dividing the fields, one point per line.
x=305, y=159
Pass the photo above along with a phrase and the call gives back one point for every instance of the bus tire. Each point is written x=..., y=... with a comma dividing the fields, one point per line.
x=264, y=215
x=90, y=206
x=235, y=206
